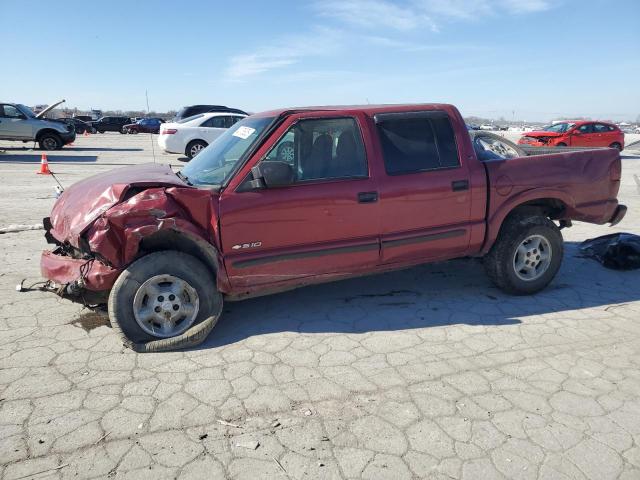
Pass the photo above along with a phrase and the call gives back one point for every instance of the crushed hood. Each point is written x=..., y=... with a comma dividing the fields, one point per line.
x=83, y=202
x=543, y=133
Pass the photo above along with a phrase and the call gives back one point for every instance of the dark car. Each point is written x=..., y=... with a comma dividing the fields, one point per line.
x=111, y=124
x=144, y=125
x=84, y=118
x=192, y=110
x=78, y=124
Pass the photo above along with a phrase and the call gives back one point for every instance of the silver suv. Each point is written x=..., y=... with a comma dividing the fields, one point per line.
x=19, y=123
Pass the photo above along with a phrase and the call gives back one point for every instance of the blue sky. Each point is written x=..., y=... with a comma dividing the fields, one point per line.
x=528, y=59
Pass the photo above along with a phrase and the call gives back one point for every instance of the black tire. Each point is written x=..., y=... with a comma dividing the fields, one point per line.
x=123, y=130
x=167, y=262
x=561, y=144
x=50, y=141
x=100, y=131
x=499, y=262
x=616, y=145
x=194, y=145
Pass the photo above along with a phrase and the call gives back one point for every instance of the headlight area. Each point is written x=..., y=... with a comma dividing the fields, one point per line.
x=76, y=274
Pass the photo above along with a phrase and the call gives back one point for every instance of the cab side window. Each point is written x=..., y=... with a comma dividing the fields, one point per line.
x=417, y=142
x=322, y=149
x=601, y=128
x=216, y=122
x=9, y=111
x=586, y=128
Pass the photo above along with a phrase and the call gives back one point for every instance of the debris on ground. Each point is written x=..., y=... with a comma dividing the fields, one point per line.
x=250, y=445
x=227, y=424
x=618, y=251
x=15, y=228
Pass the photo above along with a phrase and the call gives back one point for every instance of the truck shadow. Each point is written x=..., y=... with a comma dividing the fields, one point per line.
x=448, y=293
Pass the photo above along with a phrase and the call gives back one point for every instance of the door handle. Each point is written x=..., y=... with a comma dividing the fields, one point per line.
x=367, y=197
x=460, y=185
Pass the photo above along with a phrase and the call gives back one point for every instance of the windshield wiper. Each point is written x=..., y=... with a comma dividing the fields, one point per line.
x=184, y=178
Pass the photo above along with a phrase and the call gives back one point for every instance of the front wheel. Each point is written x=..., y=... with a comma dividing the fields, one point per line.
x=123, y=130
x=194, y=148
x=561, y=144
x=50, y=141
x=162, y=298
x=526, y=255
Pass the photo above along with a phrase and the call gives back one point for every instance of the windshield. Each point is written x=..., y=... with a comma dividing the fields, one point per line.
x=558, y=127
x=27, y=111
x=213, y=164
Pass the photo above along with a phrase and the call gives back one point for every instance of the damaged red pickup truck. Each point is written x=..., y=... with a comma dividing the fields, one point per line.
x=294, y=197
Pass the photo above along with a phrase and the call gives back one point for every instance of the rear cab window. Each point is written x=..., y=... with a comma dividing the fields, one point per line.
x=415, y=142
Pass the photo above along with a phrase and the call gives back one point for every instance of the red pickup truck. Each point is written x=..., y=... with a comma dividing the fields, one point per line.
x=294, y=197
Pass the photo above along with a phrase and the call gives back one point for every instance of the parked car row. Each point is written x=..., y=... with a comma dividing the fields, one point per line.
x=193, y=134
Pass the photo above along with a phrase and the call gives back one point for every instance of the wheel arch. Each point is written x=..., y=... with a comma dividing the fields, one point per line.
x=46, y=130
x=552, y=204
x=182, y=242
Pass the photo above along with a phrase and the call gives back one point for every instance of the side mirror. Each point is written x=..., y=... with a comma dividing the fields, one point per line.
x=272, y=174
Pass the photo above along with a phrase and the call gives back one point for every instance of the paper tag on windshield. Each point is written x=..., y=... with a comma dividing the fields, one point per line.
x=244, y=132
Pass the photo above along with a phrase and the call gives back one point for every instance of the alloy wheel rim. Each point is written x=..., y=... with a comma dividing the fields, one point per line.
x=165, y=306
x=532, y=258
x=196, y=149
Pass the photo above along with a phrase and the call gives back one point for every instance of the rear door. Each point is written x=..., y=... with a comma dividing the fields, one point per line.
x=425, y=201
x=605, y=135
x=325, y=223
x=583, y=136
x=213, y=127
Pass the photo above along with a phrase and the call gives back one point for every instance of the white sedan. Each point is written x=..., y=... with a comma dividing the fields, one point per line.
x=192, y=134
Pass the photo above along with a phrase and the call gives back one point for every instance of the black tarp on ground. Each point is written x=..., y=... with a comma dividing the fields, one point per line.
x=618, y=251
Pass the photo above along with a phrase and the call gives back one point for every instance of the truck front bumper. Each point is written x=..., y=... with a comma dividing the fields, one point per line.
x=88, y=281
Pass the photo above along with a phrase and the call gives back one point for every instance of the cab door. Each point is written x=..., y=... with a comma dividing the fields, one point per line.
x=13, y=123
x=425, y=198
x=324, y=222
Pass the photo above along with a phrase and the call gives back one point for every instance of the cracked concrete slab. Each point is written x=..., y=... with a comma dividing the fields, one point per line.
x=426, y=373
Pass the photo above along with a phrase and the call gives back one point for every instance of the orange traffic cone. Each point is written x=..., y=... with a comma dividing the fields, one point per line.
x=44, y=166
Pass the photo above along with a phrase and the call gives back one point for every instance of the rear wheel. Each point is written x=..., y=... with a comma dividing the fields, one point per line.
x=123, y=130
x=161, y=298
x=526, y=255
x=616, y=145
x=561, y=144
x=195, y=147
x=50, y=141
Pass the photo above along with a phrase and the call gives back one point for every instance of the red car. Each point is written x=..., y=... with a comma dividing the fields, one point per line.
x=289, y=198
x=576, y=134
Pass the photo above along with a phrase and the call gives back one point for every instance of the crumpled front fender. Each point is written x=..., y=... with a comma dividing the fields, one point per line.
x=116, y=235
